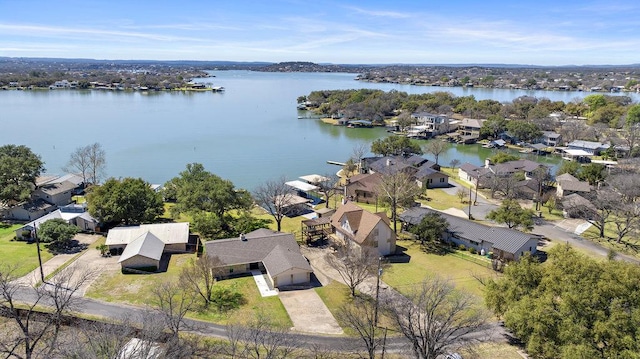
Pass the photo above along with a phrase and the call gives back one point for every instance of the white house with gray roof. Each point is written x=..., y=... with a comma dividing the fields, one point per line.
x=505, y=243
x=276, y=253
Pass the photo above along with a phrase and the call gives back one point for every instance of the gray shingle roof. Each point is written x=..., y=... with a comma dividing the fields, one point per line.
x=259, y=245
x=508, y=240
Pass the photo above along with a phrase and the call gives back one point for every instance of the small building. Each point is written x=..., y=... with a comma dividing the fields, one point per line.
x=276, y=253
x=353, y=223
x=504, y=243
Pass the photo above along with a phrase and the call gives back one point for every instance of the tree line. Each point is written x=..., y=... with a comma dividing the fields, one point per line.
x=597, y=117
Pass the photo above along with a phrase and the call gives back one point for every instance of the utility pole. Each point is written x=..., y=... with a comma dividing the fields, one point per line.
x=375, y=315
x=469, y=202
x=38, y=249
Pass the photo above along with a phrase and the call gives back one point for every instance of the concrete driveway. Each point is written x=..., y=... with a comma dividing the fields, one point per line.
x=90, y=265
x=308, y=312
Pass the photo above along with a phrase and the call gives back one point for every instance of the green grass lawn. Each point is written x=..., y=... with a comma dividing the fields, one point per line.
x=630, y=244
x=20, y=255
x=137, y=289
x=405, y=276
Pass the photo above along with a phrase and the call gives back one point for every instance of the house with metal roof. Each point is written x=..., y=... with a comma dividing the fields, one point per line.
x=352, y=223
x=277, y=253
x=505, y=243
x=142, y=246
x=74, y=214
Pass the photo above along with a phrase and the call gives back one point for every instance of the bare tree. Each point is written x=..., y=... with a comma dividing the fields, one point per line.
x=397, y=190
x=327, y=185
x=276, y=198
x=79, y=163
x=360, y=315
x=37, y=332
x=200, y=276
x=89, y=162
x=172, y=302
x=354, y=263
x=97, y=162
x=259, y=338
x=435, y=317
x=436, y=148
x=454, y=163
x=626, y=214
x=598, y=211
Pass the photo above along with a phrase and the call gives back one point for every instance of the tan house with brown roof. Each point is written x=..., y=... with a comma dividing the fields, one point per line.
x=568, y=184
x=353, y=223
x=363, y=187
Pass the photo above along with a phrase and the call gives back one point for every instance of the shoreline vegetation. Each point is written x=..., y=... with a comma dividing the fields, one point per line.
x=38, y=73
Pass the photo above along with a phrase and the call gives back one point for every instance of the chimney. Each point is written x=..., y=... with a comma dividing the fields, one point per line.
x=243, y=237
x=487, y=163
x=388, y=162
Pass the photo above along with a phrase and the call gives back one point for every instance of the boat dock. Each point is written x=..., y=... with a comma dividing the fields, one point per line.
x=336, y=163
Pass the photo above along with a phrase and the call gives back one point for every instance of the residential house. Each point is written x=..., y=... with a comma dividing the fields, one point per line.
x=57, y=193
x=427, y=177
x=470, y=127
x=551, y=139
x=568, y=184
x=142, y=246
x=431, y=125
x=28, y=211
x=352, y=223
x=470, y=173
x=526, y=167
x=363, y=187
x=276, y=253
x=74, y=214
x=505, y=243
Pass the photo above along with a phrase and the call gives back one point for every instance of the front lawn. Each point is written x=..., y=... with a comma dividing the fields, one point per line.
x=406, y=276
x=137, y=289
x=20, y=255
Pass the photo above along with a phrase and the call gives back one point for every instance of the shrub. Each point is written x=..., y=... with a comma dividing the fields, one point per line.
x=462, y=247
x=472, y=250
x=225, y=298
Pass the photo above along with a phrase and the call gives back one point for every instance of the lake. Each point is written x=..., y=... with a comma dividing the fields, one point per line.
x=248, y=134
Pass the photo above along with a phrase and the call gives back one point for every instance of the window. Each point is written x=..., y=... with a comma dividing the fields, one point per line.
x=441, y=179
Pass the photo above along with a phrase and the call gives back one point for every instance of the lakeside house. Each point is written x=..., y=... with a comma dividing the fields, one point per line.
x=504, y=243
x=143, y=246
x=276, y=253
x=51, y=192
x=352, y=223
x=428, y=125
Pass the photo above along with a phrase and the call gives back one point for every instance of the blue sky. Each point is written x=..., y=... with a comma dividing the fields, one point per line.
x=351, y=32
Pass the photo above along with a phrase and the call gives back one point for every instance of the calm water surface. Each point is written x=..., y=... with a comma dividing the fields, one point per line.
x=248, y=134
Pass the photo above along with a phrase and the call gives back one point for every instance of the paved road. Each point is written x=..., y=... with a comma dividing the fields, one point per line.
x=561, y=232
